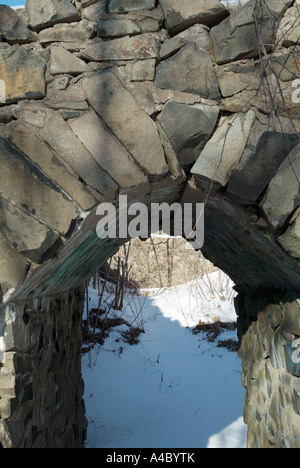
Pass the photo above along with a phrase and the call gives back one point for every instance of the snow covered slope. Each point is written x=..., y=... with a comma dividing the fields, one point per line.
x=173, y=389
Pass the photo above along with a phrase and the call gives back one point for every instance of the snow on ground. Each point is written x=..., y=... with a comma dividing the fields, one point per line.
x=174, y=389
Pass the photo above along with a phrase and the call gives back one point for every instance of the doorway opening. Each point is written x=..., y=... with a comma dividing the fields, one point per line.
x=160, y=350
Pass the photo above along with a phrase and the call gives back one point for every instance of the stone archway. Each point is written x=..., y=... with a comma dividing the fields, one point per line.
x=106, y=97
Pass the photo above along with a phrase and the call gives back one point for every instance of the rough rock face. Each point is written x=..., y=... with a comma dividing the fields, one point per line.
x=271, y=378
x=189, y=135
x=23, y=73
x=180, y=15
x=163, y=101
x=223, y=151
x=106, y=92
x=44, y=14
x=12, y=28
x=243, y=33
x=121, y=6
x=63, y=62
x=197, y=74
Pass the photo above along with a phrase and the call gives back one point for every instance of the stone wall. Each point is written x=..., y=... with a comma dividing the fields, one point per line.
x=157, y=100
x=41, y=387
x=268, y=325
x=162, y=101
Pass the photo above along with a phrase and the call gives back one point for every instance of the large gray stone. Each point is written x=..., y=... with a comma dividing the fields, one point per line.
x=171, y=157
x=73, y=98
x=181, y=14
x=235, y=78
x=30, y=189
x=224, y=150
x=293, y=37
x=43, y=14
x=190, y=70
x=291, y=239
x=107, y=150
x=132, y=126
x=25, y=233
x=95, y=10
x=23, y=73
x=31, y=112
x=188, y=128
x=197, y=33
x=285, y=67
x=141, y=70
x=287, y=31
x=73, y=32
x=144, y=46
x=237, y=36
x=12, y=267
x=291, y=321
x=122, y=6
x=260, y=163
x=283, y=193
x=12, y=28
x=59, y=135
x=52, y=165
x=117, y=28
x=62, y=61
x=149, y=96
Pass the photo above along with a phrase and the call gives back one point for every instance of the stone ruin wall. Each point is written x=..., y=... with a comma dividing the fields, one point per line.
x=41, y=388
x=149, y=86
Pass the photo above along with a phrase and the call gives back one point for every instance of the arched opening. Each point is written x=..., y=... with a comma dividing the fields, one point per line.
x=49, y=322
x=160, y=360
